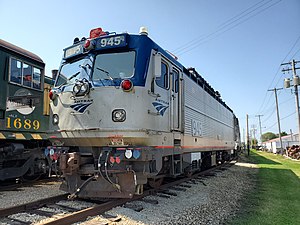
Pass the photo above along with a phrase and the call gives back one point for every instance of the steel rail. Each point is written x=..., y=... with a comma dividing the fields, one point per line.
x=101, y=208
x=31, y=205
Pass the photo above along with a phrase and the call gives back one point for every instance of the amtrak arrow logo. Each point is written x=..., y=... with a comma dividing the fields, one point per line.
x=80, y=107
x=160, y=107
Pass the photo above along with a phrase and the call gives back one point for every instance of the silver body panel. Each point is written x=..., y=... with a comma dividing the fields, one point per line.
x=193, y=117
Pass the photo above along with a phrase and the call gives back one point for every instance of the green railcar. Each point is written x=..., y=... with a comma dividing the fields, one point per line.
x=24, y=113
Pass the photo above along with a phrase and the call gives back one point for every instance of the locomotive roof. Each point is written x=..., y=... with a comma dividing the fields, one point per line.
x=21, y=51
x=149, y=44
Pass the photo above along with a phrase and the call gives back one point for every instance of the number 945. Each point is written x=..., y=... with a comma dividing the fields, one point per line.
x=18, y=123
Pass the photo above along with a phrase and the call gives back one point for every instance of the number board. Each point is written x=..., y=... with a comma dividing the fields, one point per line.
x=111, y=42
x=72, y=51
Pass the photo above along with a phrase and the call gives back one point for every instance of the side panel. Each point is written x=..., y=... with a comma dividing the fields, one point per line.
x=21, y=104
x=24, y=110
x=206, y=118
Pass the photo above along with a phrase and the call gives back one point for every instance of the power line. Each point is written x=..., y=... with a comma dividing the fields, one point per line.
x=268, y=128
x=221, y=26
x=288, y=116
x=265, y=105
x=293, y=46
x=272, y=109
x=219, y=32
x=295, y=53
x=271, y=114
x=280, y=78
x=205, y=38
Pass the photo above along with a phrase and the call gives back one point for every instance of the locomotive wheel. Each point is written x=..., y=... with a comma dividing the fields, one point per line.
x=155, y=183
x=188, y=174
x=31, y=178
x=28, y=176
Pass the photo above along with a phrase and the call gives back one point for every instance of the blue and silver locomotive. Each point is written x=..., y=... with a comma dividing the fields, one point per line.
x=125, y=113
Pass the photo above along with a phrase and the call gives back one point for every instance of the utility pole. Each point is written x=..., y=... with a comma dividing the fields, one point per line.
x=291, y=134
x=278, y=118
x=253, y=129
x=247, y=135
x=296, y=83
x=259, y=127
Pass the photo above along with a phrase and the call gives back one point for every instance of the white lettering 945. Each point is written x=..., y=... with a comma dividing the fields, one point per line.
x=111, y=41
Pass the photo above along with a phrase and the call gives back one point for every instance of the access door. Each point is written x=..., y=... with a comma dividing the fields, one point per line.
x=175, y=89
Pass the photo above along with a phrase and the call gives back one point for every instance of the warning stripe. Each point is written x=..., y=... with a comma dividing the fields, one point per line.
x=23, y=136
x=2, y=136
x=36, y=136
x=19, y=136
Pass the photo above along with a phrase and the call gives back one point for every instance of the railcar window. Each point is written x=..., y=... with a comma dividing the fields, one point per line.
x=114, y=66
x=15, y=71
x=163, y=80
x=25, y=74
x=36, y=78
x=175, y=81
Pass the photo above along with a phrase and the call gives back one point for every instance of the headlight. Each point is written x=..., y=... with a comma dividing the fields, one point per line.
x=76, y=89
x=81, y=88
x=119, y=115
x=55, y=119
x=85, y=88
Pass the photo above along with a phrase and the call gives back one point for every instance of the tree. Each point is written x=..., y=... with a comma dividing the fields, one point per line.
x=268, y=136
x=283, y=134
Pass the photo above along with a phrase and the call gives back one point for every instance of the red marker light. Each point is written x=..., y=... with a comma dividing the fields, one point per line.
x=51, y=95
x=118, y=160
x=126, y=85
x=112, y=159
x=87, y=44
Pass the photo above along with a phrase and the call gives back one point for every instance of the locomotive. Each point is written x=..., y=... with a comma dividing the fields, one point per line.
x=125, y=114
x=24, y=113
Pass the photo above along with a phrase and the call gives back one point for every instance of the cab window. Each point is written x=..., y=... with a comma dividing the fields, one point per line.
x=175, y=86
x=163, y=80
x=36, y=80
x=25, y=74
x=15, y=71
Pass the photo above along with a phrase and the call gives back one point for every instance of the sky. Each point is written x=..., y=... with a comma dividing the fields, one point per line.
x=237, y=46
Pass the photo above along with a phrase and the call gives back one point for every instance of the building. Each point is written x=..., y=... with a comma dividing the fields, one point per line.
x=287, y=141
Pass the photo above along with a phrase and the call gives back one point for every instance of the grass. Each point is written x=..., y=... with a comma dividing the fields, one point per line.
x=276, y=198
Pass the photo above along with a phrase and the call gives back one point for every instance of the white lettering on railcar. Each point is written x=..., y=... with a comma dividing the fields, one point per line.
x=196, y=128
x=112, y=41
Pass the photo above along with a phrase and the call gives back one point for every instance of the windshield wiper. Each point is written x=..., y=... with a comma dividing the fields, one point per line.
x=74, y=75
x=107, y=74
x=70, y=78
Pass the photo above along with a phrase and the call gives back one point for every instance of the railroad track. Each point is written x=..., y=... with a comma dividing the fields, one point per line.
x=64, y=214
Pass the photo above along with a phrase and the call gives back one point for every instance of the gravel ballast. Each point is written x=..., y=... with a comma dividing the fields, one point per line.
x=212, y=200
x=209, y=200
x=28, y=194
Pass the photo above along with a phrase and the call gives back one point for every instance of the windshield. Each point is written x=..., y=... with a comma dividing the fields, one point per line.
x=114, y=66
x=70, y=71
